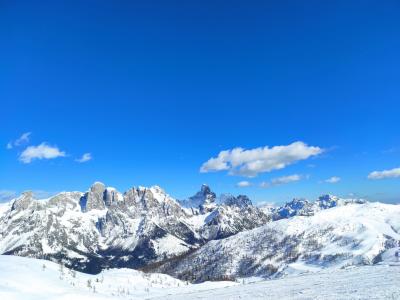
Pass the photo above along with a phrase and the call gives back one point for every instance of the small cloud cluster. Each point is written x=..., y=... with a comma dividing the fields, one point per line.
x=23, y=139
x=333, y=179
x=85, y=157
x=393, y=173
x=243, y=184
x=6, y=195
x=250, y=163
x=281, y=180
x=41, y=151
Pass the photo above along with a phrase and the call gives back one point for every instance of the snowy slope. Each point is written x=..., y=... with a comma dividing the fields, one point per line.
x=27, y=278
x=367, y=282
x=355, y=234
x=33, y=279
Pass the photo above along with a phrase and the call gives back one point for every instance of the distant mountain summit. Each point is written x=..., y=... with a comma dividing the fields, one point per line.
x=303, y=207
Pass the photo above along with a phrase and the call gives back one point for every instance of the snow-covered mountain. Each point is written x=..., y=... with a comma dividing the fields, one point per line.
x=104, y=228
x=303, y=207
x=345, y=235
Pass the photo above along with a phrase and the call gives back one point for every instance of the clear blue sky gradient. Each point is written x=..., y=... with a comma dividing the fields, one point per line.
x=155, y=88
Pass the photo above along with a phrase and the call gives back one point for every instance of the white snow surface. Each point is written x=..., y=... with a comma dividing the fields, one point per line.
x=34, y=279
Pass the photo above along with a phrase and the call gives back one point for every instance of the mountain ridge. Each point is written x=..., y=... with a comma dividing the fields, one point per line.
x=140, y=228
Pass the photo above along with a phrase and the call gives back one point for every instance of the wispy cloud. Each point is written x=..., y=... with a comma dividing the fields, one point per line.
x=243, y=184
x=6, y=195
x=333, y=179
x=393, y=173
x=42, y=151
x=250, y=163
x=281, y=180
x=391, y=150
x=23, y=139
x=85, y=157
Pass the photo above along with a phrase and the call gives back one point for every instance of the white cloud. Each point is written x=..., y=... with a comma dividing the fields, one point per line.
x=265, y=204
x=286, y=179
x=85, y=157
x=23, y=139
x=281, y=180
x=333, y=179
x=6, y=195
x=251, y=162
x=42, y=151
x=393, y=173
x=243, y=184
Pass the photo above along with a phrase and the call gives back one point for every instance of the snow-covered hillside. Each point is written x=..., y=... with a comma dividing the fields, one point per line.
x=368, y=282
x=355, y=234
x=34, y=279
x=28, y=278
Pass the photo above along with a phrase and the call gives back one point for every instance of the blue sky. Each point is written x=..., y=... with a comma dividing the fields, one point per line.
x=154, y=89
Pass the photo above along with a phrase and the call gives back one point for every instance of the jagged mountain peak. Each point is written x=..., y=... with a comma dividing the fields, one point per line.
x=97, y=185
x=204, y=199
x=23, y=201
x=304, y=207
x=205, y=189
x=239, y=201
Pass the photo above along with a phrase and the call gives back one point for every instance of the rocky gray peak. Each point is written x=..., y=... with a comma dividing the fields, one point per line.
x=94, y=198
x=296, y=207
x=327, y=201
x=297, y=203
x=205, y=189
x=110, y=196
x=23, y=201
x=97, y=187
x=130, y=197
x=65, y=199
x=151, y=201
x=203, y=200
x=240, y=201
x=204, y=196
x=243, y=201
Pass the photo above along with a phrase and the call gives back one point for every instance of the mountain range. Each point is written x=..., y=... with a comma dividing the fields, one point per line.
x=201, y=238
